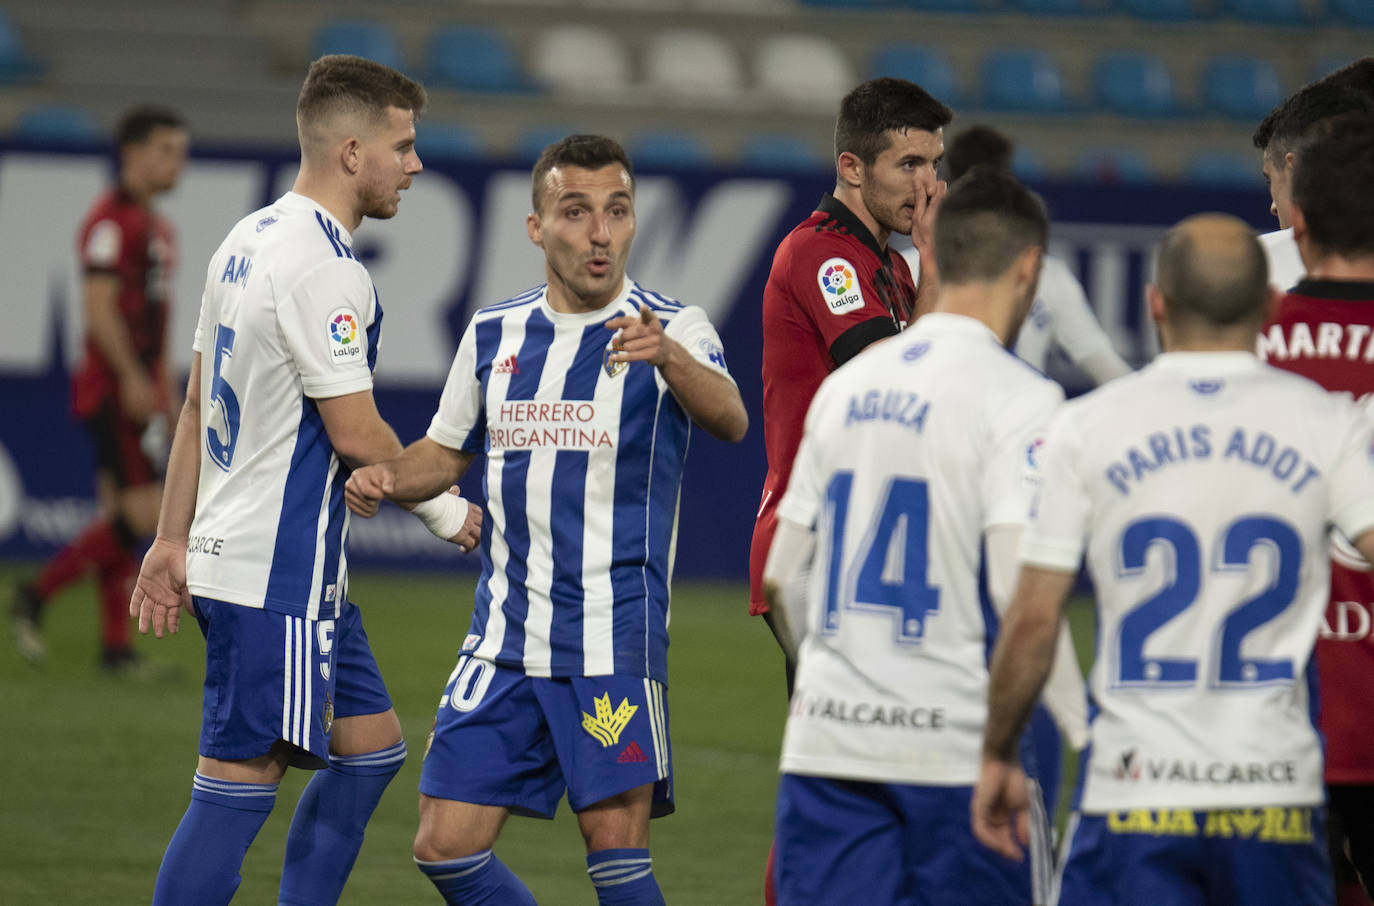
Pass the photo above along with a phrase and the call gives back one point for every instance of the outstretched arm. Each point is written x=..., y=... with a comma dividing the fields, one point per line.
x=709, y=398
x=160, y=591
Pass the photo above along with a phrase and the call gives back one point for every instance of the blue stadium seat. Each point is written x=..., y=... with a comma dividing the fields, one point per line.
x=1161, y=10
x=1241, y=87
x=667, y=149
x=361, y=38
x=1051, y=7
x=1134, y=83
x=532, y=142
x=1227, y=169
x=475, y=58
x=848, y=4
x=1269, y=12
x=1113, y=166
x=16, y=64
x=948, y=6
x=447, y=140
x=927, y=66
x=782, y=152
x=56, y=123
x=1358, y=12
x=1022, y=79
x=1027, y=165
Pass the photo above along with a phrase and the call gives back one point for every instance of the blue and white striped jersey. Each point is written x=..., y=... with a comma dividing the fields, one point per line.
x=288, y=316
x=583, y=469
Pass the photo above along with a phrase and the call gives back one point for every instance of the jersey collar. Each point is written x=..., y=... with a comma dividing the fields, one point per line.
x=944, y=322
x=1218, y=362
x=306, y=203
x=839, y=212
x=611, y=309
x=1339, y=290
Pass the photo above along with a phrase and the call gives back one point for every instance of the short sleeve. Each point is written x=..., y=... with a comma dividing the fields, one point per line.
x=1058, y=527
x=324, y=320
x=1351, y=485
x=1018, y=425
x=836, y=289
x=460, y=422
x=102, y=245
x=692, y=328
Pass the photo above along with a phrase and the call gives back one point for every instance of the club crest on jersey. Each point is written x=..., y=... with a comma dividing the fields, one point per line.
x=613, y=369
x=607, y=725
x=915, y=351
x=1206, y=388
x=839, y=283
x=344, y=343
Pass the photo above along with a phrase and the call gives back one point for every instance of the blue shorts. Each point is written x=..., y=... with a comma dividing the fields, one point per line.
x=506, y=739
x=269, y=676
x=884, y=844
x=1186, y=857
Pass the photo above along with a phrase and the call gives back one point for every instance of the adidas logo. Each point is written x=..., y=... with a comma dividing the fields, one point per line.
x=632, y=754
x=507, y=366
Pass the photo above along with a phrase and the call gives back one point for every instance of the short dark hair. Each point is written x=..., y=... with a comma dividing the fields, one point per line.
x=1221, y=287
x=1333, y=185
x=987, y=218
x=977, y=146
x=879, y=106
x=1349, y=89
x=138, y=123
x=591, y=152
x=339, y=83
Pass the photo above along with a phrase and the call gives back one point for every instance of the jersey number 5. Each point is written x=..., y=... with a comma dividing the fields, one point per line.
x=1232, y=669
x=222, y=430
x=889, y=570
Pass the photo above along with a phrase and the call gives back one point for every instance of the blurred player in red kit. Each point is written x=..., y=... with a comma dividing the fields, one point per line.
x=122, y=390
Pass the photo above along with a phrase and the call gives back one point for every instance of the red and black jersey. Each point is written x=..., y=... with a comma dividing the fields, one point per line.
x=832, y=291
x=1324, y=330
x=131, y=241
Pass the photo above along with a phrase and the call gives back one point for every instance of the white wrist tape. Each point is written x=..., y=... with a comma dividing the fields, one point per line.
x=443, y=515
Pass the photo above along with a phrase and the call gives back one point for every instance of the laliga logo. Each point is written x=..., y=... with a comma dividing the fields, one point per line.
x=837, y=279
x=343, y=329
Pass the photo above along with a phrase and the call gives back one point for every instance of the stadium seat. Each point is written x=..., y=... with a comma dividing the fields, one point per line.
x=1022, y=79
x=947, y=6
x=1051, y=7
x=580, y=59
x=475, y=58
x=1268, y=12
x=667, y=149
x=447, y=140
x=1244, y=88
x=806, y=69
x=359, y=37
x=1228, y=169
x=56, y=123
x=1134, y=84
x=1161, y=10
x=16, y=64
x=927, y=66
x=692, y=63
x=783, y=153
x=1115, y=166
x=1357, y=12
x=847, y=4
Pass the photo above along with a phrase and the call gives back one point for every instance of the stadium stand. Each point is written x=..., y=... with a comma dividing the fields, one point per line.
x=1269, y=12
x=1241, y=87
x=362, y=37
x=1113, y=166
x=667, y=149
x=448, y=140
x=58, y=123
x=692, y=63
x=781, y=152
x=1229, y=169
x=1022, y=78
x=16, y=64
x=475, y=58
x=927, y=66
x=581, y=59
x=807, y=70
x=1134, y=83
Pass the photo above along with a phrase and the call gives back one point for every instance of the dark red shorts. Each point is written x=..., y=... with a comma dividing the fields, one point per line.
x=119, y=449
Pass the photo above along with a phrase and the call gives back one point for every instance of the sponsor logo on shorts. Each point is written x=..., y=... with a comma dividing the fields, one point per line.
x=839, y=286
x=1212, y=773
x=471, y=642
x=632, y=754
x=1267, y=825
x=344, y=343
x=607, y=725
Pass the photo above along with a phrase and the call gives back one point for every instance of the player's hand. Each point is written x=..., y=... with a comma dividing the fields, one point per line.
x=160, y=592
x=640, y=339
x=1000, y=808
x=923, y=222
x=470, y=535
x=138, y=398
x=367, y=488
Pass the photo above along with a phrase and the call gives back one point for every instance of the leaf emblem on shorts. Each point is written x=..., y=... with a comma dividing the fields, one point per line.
x=607, y=725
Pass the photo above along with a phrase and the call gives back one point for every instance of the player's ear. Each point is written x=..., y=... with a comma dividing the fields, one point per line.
x=849, y=169
x=1297, y=222
x=1158, y=313
x=532, y=227
x=350, y=156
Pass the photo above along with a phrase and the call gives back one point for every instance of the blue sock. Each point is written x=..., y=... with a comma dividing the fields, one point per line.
x=327, y=828
x=201, y=864
x=477, y=880
x=624, y=877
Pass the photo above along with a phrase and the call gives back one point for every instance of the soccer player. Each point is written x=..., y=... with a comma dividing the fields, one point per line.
x=581, y=393
x=1321, y=331
x=1200, y=489
x=1279, y=138
x=252, y=537
x=1060, y=315
x=122, y=390
x=917, y=456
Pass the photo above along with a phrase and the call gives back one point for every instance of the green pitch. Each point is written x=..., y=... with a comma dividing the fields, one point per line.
x=96, y=771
